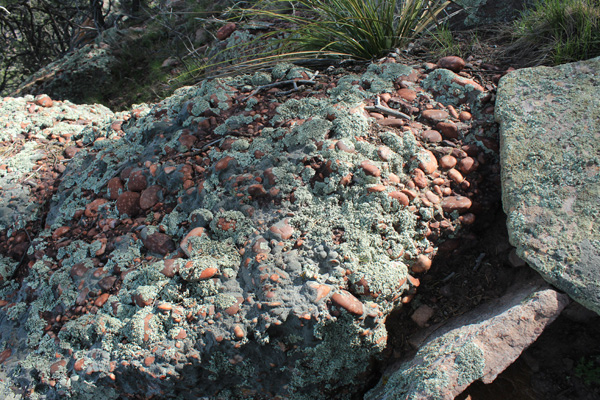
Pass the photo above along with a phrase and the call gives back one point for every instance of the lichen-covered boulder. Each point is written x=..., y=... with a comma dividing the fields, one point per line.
x=475, y=346
x=255, y=273
x=550, y=159
x=237, y=241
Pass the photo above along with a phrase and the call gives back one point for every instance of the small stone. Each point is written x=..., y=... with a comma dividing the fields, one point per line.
x=100, y=300
x=238, y=332
x=419, y=178
x=226, y=30
x=343, y=146
x=376, y=188
x=465, y=116
x=348, y=302
x=91, y=210
x=467, y=165
x=137, y=181
x=432, y=136
x=447, y=162
x=70, y=151
x=448, y=129
x=223, y=163
x=435, y=115
x=257, y=190
x=422, y=264
x=59, y=232
x=392, y=122
x=395, y=179
x=456, y=203
x=160, y=243
x=129, y=203
x=56, y=366
x=142, y=301
x=149, y=197
x=282, y=230
x=115, y=188
x=453, y=63
x=43, y=100
x=185, y=245
x=432, y=197
x=208, y=273
x=78, y=366
x=427, y=162
x=370, y=169
x=421, y=315
x=467, y=219
x=401, y=197
x=455, y=176
x=384, y=153
x=407, y=94
x=170, y=268
x=107, y=283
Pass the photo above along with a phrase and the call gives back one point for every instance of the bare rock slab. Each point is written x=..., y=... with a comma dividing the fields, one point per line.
x=550, y=159
x=476, y=346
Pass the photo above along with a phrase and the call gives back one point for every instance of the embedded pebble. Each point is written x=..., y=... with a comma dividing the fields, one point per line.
x=467, y=165
x=447, y=162
x=129, y=203
x=347, y=301
x=137, y=181
x=427, y=161
x=448, y=129
x=456, y=203
x=159, y=243
x=115, y=188
x=453, y=63
x=384, y=153
x=282, y=230
x=401, y=197
x=185, y=245
x=407, y=94
x=422, y=264
x=432, y=136
x=455, y=176
x=370, y=169
x=419, y=178
x=149, y=197
x=435, y=115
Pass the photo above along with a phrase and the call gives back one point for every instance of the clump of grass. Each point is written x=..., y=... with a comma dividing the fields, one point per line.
x=441, y=42
x=354, y=29
x=559, y=31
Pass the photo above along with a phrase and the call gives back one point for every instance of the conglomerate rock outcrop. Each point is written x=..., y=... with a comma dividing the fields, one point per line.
x=240, y=239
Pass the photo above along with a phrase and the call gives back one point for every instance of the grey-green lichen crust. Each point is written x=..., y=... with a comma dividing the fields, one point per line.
x=550, y=159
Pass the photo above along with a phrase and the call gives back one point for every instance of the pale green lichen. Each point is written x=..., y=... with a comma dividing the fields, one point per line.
x=7, y=267
x=469, y=363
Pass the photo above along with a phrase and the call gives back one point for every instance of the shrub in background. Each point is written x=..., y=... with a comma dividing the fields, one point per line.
x=559, y=31
x=356, y=29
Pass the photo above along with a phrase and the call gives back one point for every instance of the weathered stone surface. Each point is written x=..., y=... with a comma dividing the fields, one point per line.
x=550, y=146
x=476, y=346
